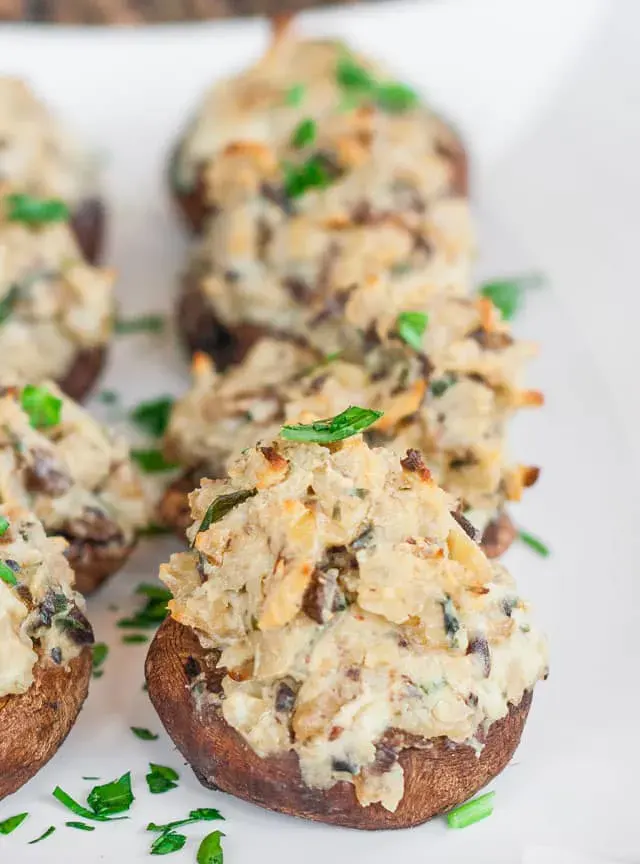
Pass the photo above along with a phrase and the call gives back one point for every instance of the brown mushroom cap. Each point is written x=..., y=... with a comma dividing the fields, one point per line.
x=34, y=724
x=88, y=224
x=83, y=373
x=438, y=774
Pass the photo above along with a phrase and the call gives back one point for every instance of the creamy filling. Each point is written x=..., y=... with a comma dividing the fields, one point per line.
x=41, y=616
x=349, y=607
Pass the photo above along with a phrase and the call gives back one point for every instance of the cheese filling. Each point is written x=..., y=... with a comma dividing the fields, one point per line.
x=349, y=607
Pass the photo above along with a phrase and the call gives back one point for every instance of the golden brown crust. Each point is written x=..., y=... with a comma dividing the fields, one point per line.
x=83, y=373
x=437, y=777
x=93, y=562
x=36, y=723
x=88, y=225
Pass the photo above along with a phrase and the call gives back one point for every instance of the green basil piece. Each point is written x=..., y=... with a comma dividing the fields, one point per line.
x=222, y=505
x=43, y=408
x=344, y=425
x=210, y=851
x=411, y=327
x=34, y=211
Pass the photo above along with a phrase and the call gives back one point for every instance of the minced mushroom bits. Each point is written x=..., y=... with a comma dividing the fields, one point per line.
x=346, y=602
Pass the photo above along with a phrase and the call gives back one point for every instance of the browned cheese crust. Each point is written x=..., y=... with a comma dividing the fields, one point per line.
x=35, y=724
x=438, y=776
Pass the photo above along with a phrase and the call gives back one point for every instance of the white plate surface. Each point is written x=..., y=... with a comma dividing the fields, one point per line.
x=574, y=782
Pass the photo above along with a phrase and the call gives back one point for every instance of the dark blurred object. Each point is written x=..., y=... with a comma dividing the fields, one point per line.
x=146, y=11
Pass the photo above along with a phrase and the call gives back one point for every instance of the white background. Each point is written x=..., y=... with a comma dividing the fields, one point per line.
x=547, y=94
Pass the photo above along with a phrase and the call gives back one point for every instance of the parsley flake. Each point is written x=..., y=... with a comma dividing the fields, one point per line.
x=295, y=95
x=152, y=461
x=350, y=422
x=143, y=734
x=161, y=778
x=304, y=134
x=7, y=575
x=44, y=835
x=153, y=416
x=35, y=211
x=224, y=504
x=210, y=851
x=411, y=327
x=534, y=543
x=42, y=407
x=140, y=324
x=8, y=826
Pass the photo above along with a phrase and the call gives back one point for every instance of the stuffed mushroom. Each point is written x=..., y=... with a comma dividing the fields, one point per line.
x=45, y=644
x=451, y=395
x=56, y=311
x=339, y=648
x=74, y=475
x=335, y=200
x=40, y=158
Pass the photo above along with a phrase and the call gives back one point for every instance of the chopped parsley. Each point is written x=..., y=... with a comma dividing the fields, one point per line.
x=167, y=843
x=439, y=386
x=100, y=652
x=9, y=825
x=161, y=778
x=140, y=324
x=134, y=639
x=152, y=613
x=295, y=95
x=44, y=835
x=362, y=85
x=507, y=294
x=152, y=461
x=153, y=416
x=153, y=530
x=411, y=327
x=210, y=851
x=472, y=811
x=7, y=575
x=534, y=543
x=304, y=134
x=344, y=425
x=42, y=407
x=224, y=504
x=35, y=211
x=4, y=525
x=8, y=302
x=103, y=801
x=81, y=826
x=203, y=814
x=143, y=734
x=314, y=173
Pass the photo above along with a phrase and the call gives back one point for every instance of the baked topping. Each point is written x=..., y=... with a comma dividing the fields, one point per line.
x=332, y=216
x=451, y=400
x=350, y=608
x=58, y=462
x=52, y=303
x=41, y=616
x=38, y=156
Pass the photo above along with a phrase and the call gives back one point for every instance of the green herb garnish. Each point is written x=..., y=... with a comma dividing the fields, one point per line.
x=153, y=530
x=304, y=134
x=153, y=416
x=311, y=174
x=337, y=428
x=44, y=835
x=8, y=302
x=167, y=843
x=36, y=211
x=43, y=408
x=161, y=778
x=202, y=814
x=152, y=613
x=534, y=543
x=210, y=851
x=134, y=639
x=507, y=294
x=9, y=825
x=111, y=798
x=140, y=324
x=295, y=95
x=224, y=504
x=7, y=575
x=152, y=461
x=439, y=386
x=100, y=652
x=360, y=84
x=4, y=526
x=103, y=801
x=143, y=734
x=472, y=811
x=81, y=826
x=411, y=327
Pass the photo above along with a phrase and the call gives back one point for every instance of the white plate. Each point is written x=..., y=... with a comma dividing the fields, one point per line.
x=573, y=784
